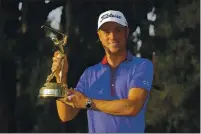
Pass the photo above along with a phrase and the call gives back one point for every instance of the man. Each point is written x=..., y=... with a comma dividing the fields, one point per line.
x=115, y=91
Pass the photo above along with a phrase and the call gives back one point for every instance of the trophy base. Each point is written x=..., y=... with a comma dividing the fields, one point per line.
x=52, y=91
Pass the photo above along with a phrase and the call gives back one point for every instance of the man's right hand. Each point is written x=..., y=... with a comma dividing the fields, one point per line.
x=57, y=65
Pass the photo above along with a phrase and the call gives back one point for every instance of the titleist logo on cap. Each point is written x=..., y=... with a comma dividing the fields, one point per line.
x=112, y=16
x=105, y=16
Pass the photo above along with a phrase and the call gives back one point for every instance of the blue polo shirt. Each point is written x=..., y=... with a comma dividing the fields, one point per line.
x=103, y=83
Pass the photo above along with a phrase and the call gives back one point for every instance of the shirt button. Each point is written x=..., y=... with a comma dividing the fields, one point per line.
x=113, y=85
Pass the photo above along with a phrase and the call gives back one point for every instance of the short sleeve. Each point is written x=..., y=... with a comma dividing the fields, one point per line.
x=81, y=85
x=143, y=76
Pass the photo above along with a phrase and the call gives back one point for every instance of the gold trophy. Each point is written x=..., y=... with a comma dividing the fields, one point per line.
x=53, y=89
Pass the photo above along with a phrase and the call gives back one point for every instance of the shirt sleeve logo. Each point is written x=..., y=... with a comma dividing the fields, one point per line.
x=101, y=91
x=145, y=83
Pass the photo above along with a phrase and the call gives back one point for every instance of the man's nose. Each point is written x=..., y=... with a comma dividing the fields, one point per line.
x=112, y=36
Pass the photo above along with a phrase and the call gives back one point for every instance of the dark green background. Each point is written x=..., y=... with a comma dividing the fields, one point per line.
x=25, y=61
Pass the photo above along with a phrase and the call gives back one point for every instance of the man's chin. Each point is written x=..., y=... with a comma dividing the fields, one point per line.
x=114, y=51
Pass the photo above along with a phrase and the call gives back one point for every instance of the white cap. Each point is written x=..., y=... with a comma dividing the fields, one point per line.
x=112, y=16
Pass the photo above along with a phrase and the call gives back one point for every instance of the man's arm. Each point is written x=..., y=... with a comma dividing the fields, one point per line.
x=126, y=107
x=65, y=112
x=140, y=86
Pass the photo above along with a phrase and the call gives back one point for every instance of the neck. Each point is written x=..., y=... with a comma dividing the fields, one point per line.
x=115, y=59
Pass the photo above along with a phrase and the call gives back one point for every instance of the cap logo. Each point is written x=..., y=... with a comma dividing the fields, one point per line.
x=105, y=16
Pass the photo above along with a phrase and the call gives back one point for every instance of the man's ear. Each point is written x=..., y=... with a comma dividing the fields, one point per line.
x=127, y=31
x=98, y=33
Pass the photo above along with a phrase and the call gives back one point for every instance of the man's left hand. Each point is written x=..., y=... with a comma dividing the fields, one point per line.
x=76, y=99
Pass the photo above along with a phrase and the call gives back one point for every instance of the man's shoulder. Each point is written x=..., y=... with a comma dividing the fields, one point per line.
x=140, y=61
x=94, y=67
x=143, y=64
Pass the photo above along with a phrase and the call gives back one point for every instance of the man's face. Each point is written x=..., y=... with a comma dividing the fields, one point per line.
x=113, y=37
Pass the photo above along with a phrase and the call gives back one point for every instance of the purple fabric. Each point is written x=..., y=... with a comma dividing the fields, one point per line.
x=96, y=83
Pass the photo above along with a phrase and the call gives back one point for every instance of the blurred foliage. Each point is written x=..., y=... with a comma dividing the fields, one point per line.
x=179, y=71
x=173, y=108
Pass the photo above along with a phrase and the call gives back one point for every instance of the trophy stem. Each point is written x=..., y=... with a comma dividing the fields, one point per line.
x=50, y=77
x=60, y=73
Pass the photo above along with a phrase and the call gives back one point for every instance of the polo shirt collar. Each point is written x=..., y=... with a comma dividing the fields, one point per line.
x=129, y=57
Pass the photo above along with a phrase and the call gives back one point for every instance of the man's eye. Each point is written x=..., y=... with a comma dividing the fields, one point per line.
x=118, y=30
x=106, y=32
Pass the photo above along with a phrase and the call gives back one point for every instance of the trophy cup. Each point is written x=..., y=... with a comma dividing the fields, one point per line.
x=53, y=89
